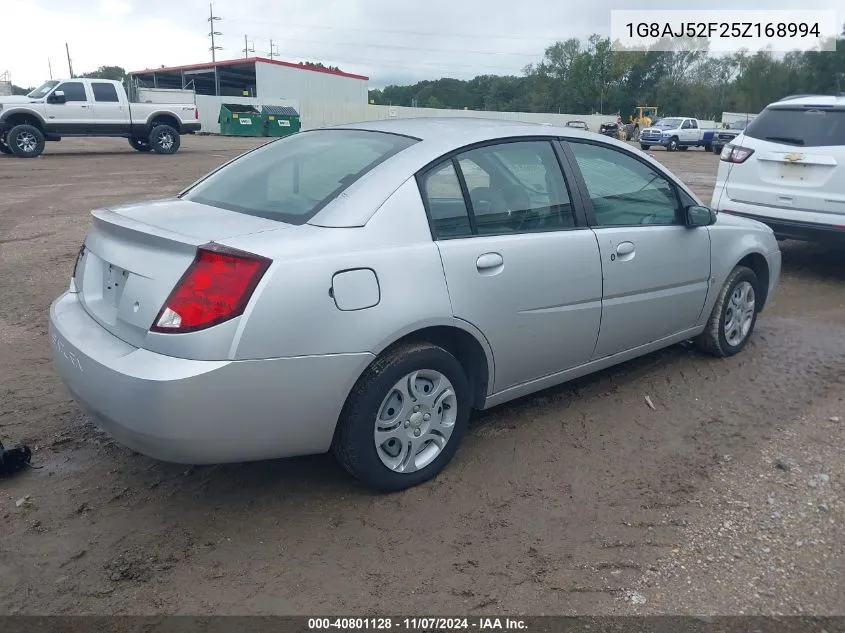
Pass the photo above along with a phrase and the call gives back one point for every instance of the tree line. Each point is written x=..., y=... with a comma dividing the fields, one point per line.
x=576, y=76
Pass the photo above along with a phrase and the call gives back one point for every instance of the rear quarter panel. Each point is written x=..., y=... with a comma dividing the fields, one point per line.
x=144, y=113
x=294, y=314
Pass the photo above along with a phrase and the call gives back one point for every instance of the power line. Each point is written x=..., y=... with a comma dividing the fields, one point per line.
x=411, y=48
x=211, y=20
x=402, y=32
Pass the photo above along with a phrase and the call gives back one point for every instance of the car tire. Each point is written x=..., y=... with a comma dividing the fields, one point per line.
x=25, y=141
x=164, y=139
x=717, y=149
x=723, y=336
x=645, y=147
x=140, y=145
x=380, y=400
x=708, y=147
x=672, y=145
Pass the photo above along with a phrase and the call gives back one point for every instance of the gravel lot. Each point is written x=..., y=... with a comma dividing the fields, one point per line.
x=725, y=498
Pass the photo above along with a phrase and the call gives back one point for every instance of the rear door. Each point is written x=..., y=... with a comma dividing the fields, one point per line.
x=110, y=114
x=656, y=270
x=798, y=162
x=519, y=263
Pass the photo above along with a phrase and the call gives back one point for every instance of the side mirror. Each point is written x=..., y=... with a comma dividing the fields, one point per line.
x=58, y=96
x=695, y=215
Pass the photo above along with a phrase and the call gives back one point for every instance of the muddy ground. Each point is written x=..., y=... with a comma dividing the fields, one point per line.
x=581, y=499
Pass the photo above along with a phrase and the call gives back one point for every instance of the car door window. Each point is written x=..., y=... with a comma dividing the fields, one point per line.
x=693, y=124
x=625, y=191
x=74, y=91
x=104, y=93
x=687, y=125
x=516, y=187
x=445, y=202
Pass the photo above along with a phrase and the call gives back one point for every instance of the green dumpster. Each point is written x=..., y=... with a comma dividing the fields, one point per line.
x=280, y=120
x=237, y=119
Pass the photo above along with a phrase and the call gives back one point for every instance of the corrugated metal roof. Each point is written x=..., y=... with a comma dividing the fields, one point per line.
x=279, y=110
x=249, y=60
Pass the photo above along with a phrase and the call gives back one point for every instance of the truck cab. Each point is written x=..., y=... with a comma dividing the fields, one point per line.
x=676, y=133
x=90, y=107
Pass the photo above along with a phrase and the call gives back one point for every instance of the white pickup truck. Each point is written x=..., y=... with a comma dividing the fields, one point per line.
x=91, y=107
x=676, y=133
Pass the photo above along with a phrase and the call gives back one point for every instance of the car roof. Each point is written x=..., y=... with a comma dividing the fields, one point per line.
x=439, y=136
x=463, y=130
x=810, y=100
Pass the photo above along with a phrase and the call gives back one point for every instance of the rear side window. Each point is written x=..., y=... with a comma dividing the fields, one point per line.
x=446, y=204
x=801, y=127
x=104, y=93
x=291, y=179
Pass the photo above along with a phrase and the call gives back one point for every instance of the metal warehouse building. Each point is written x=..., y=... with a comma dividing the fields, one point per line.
x=321, y=96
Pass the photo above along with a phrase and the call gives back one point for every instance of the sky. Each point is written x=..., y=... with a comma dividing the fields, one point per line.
x=387, y=40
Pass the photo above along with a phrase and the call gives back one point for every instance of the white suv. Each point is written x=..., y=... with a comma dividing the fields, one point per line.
x=787, y=169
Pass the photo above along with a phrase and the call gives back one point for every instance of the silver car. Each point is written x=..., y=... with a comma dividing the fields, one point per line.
x=362, y=288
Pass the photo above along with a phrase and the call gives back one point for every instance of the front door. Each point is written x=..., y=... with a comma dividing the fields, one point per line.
x=75, y=115
x=656, y=270
x=518, y=264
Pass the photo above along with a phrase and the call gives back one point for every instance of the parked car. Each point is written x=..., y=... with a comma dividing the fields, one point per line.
x=609, y=129
x=90, y=107
x=578, y=125
x=675, y=133
x=728, y=134
x=787, y=169
x=363, y=288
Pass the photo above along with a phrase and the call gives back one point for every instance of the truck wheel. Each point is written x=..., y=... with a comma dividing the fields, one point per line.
x=25, y=141
x=708, y=148
x=673, y=144
x=717, y=149
x=140, y=144
x=164, y=139
x=645, y=147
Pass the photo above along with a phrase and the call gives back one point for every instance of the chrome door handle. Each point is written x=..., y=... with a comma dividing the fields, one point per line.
x=489, y=261
x=624, y=248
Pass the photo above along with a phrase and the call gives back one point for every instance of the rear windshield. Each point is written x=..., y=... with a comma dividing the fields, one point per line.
x=801, y=127
x=291, y=179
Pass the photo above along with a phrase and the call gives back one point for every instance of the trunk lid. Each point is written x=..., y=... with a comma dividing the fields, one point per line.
x=803, y=179
x=798, y=162
x=135, y=254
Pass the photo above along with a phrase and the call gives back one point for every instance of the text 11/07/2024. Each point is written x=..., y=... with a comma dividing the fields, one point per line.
x=724, y=31
x=429, y=624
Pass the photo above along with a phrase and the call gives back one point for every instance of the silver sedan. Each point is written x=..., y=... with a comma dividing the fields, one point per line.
x=362, y=288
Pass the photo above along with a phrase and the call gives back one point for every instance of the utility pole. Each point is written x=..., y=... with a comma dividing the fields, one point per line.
x=247, y=49
x=211, y=20
x=69, y=63
x=273, y=50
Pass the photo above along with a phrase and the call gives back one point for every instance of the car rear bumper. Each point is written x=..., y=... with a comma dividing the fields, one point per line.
x=784, y=223
x=191, y=128
x=199, y=412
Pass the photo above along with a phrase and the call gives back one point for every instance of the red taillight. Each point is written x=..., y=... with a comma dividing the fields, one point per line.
x=196, y=113
x=735, y=154
x=216, y=287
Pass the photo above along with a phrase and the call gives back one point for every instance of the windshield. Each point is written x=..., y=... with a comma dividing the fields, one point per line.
x=738, y=125
x=291, y=179
x=801, y=127
x=42, y=90
x=668, y=123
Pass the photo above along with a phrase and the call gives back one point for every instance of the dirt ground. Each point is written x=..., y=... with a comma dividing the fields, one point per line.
x=726, y=498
